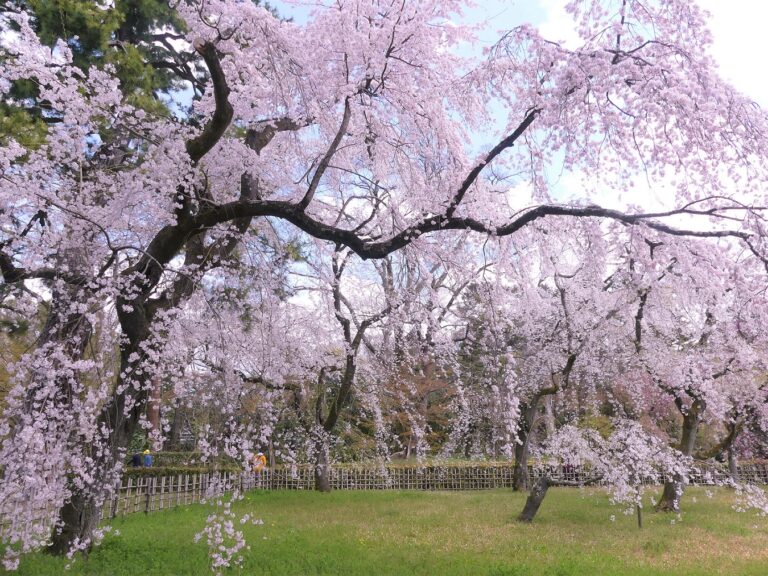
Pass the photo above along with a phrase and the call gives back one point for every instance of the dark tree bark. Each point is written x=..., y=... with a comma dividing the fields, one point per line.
x=733, y=466
x=520, y=477
x=136, y=313
x=534, y=500
x=82, y=513
x=79, y=517
x=528, y=410
x=174, y=436
x=322, y=464
x=325, y=424
x=560, y=380
x=539, y=491
x=675, y=486
x=70, y=333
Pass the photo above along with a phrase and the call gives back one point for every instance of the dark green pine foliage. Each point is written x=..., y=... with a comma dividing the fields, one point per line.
x=139, y=38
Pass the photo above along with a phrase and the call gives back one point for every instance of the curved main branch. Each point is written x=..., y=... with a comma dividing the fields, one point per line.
x=222, y=115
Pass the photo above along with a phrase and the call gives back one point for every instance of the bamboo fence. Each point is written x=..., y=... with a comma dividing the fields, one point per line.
x=151, y=493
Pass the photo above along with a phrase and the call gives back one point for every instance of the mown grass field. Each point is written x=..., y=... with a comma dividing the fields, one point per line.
x=441, y=533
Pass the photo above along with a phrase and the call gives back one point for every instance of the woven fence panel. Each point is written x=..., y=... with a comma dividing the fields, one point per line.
x=151, y=493
x=464, y=477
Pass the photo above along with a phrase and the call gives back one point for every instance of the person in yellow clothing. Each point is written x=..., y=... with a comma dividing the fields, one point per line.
x=259, y=462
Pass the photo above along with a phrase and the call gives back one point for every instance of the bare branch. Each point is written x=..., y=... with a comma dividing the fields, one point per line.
x=507, y=142
x=222, y=115
x=315, y=182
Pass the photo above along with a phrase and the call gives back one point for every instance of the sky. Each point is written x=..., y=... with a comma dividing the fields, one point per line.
x=738, y=27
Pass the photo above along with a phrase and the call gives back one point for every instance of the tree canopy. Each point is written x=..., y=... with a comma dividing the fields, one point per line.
x=220, y=206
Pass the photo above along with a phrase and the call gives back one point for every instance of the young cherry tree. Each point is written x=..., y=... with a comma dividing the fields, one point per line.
x=330, y=403
x=405, y=345
x=563, y=316
x=547, y=304
x=694, y=340
x=625, y=463
x=360, y=141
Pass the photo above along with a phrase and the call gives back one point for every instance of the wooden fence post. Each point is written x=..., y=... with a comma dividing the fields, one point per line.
x=148, y=496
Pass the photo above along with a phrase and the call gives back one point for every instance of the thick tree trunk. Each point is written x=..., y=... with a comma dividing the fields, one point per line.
x=733, y=466
x=174, y=436
x=675, y=486
x=79, y=517
x=136, y=312
x=322, y=466
x=119, y=419
x=671, y=495
x=520, y=477
x=153, y=416
x=66, y=333
x=534, y=500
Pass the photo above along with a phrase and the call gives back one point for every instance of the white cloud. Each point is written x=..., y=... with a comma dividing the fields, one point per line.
x=558, y=25
x=738, y=27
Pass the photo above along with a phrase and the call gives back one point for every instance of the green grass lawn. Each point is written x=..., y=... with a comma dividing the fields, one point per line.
x=441, y=533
